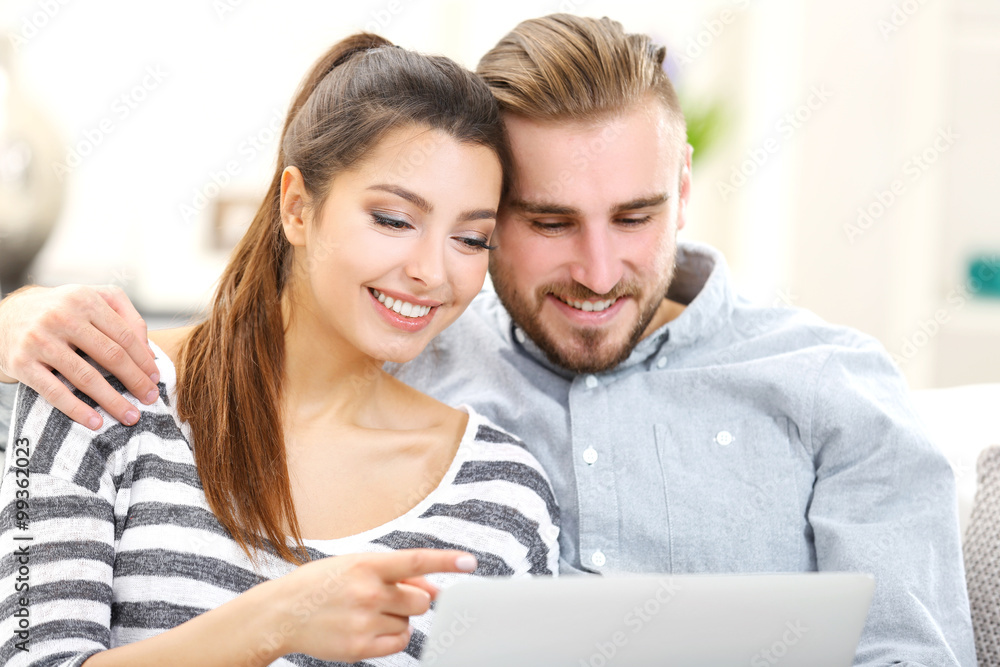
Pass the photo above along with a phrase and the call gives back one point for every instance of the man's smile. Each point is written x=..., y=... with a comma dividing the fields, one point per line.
x=588, y=313
x=588, y=306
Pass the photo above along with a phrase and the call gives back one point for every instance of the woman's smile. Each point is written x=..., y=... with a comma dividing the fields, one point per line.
x=403, y=312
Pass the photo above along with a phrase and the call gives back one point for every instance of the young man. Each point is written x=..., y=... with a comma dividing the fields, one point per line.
x=684, y=430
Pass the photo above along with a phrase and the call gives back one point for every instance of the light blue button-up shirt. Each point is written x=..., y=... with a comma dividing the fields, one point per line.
x=735, y=438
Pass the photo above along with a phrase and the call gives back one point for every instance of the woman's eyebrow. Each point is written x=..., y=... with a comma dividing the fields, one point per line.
x=427, y=207
x=408, y=195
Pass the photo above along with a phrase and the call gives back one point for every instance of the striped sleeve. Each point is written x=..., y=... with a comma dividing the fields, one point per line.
x=7, y=392
x=57, y=531
x=520, y=480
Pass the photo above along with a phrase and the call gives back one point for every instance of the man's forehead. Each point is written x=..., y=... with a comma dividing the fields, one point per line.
x=649, y=113
x=609, y=162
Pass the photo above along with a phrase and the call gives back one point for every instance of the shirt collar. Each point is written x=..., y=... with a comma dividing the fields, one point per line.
x=701, y=282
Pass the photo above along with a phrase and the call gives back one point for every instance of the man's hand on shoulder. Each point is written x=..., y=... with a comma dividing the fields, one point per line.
x=41, y=330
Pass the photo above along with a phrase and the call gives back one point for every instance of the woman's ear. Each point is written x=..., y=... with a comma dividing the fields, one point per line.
x=293, y=206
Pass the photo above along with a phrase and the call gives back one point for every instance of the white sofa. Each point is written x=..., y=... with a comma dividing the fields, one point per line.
x=962, y=421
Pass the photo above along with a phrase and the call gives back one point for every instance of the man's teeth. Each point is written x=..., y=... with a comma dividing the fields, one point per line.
x=404, y=308
x=589, y=306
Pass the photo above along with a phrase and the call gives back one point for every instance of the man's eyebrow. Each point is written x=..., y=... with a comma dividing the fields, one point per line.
x=408, y=195
x=641, y=202
x=538, y=208
x=478, y=214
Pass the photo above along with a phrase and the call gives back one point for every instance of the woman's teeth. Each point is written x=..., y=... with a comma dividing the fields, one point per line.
x=589, y=306
x=404, y=308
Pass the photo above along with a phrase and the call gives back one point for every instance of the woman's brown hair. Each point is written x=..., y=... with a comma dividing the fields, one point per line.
x=231, y=366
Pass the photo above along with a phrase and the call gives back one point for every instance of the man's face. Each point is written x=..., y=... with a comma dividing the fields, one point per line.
x=587, y=238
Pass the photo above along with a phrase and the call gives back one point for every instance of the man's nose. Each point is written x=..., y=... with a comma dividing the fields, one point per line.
x=596, y=265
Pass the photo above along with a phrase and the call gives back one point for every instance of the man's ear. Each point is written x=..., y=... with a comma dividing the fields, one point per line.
x=293, y=206
x=684, y=188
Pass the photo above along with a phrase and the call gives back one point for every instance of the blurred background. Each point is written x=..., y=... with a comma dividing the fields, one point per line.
x=847, y=154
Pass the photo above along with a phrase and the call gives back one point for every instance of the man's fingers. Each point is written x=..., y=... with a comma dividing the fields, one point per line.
x=55, y=392
x=88, y=380
x=107, y=353
x=137, y=344
x=409, y=563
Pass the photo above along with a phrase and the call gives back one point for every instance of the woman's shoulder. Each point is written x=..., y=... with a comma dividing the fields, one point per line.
x=491, y=453
x=168, y=342
x=487, y=433
x=59, y=446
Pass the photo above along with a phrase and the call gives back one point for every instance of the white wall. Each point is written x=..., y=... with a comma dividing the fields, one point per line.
x=229, y=67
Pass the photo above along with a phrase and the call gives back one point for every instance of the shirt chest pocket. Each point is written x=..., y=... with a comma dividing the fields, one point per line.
x=732, y=494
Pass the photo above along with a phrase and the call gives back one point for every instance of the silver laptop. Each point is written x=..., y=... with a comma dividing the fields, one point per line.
x=791, y=620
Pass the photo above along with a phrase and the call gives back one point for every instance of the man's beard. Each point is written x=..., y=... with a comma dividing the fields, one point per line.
x=590, y=353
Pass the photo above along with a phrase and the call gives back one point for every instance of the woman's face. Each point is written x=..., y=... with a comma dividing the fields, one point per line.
x=398, y=249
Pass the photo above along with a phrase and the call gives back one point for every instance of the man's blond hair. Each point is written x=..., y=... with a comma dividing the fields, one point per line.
x=564, y=67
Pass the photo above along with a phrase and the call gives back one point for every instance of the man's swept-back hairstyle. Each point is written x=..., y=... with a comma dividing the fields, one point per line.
x=564, y=67
x=231, y=366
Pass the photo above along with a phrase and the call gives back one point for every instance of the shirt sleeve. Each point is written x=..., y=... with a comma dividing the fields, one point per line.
x=7, y=393
x=884, y=503
x=550, y=534
x=57, y=529
x=549, y=519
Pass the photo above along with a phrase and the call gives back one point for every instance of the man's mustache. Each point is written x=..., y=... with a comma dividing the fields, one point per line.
x=576, y=292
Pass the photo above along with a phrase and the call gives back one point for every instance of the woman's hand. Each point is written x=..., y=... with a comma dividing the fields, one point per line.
x=41, y=329
x=342, y=608
x=350, y=608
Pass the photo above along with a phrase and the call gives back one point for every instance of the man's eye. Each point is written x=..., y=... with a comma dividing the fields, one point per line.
x=386, y=221
x=635, y=220
x=544, y=226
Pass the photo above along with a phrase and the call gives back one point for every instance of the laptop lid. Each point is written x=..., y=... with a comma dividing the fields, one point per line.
x=792, y=620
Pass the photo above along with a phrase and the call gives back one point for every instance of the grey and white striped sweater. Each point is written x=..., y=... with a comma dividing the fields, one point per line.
x=107, y=537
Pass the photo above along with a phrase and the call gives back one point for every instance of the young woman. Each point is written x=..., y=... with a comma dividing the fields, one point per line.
x=285, y=496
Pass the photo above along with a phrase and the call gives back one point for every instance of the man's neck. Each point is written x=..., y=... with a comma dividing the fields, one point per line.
x=666, y=312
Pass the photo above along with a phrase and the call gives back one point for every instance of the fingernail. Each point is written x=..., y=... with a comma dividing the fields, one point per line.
x=155, y=377
x=131, y=417
x=152, y=396
x=466, y=563
x=94, y=423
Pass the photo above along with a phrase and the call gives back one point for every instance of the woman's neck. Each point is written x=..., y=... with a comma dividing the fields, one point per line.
x=326, y=378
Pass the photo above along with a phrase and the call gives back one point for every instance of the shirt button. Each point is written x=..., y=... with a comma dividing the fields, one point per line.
x=519, y=335
x=591, y=382
x=661, y=362
x=598, y=559
x=724, y=438
x=590, y=455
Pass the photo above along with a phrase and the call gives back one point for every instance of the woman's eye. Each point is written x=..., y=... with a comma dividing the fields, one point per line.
x=476, y=243
x=386, y=221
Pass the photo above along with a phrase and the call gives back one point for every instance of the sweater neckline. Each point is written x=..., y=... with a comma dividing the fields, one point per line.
x=347, y=543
